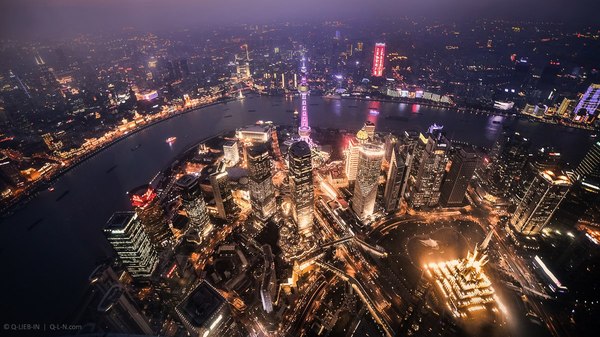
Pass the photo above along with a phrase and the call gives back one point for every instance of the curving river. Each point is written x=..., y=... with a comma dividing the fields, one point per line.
x=49, y=247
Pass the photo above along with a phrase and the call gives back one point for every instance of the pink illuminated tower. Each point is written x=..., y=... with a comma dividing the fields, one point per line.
x=304, y=129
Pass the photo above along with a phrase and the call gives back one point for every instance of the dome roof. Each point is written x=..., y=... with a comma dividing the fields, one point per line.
x=362, y=135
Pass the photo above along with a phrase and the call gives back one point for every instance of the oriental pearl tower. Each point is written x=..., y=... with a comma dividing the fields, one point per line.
x=304, y=129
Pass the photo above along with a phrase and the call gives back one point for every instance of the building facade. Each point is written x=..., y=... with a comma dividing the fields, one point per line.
x=367, y=179
x=126, y=235
x=458, y=178
x=262, y=191
x=542, y=198
x=301, y=184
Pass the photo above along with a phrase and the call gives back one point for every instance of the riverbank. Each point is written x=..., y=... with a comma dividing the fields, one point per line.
x=40, y=185
x=494, y=112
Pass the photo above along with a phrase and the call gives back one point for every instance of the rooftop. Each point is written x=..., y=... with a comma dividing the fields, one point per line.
x=119, y=220
x=201, y=304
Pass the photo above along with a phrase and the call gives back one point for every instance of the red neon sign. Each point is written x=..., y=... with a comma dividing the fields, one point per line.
x=378, y=59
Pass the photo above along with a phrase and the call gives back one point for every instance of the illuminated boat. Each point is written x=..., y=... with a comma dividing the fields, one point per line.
x=171, y=140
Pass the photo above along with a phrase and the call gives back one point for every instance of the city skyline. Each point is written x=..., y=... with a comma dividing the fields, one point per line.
x=238, y=169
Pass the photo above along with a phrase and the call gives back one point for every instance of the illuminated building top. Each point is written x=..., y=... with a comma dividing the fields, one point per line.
x=304, y=129
x=142, y=196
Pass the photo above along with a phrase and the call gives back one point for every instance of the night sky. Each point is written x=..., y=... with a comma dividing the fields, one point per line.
x=27, y=18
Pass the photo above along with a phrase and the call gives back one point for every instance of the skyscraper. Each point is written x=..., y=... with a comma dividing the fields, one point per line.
x=586, y=111
x=508, y=164
x=352, y=153
x=590, y=165
x=231, y=153
x=370, y=129
x=390, y=144
x=367, y=179
x=396, y=179
x=222, y=192
x=301, y=184
x=541, y=199
x=378, y=60
x=431, y=157
x=262, y=192
x=151, y=214
x=126, y=235
x=193, y=204
x=458, y=178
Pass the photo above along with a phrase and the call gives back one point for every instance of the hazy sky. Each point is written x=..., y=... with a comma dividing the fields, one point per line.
x=33, y=17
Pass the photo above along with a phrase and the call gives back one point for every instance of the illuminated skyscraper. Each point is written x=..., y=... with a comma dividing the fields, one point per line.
x=352, y=153
x=541, y=199
x=367, y=179
x=301, y=184
x=262, y=192
x=431, y=157
x=231, y=153
x=590, y=165
x=126, y=235
x=586, y=110
x=396, y=179
x=378, y=60
x=222, y=192
x=510, y=159
x=304, y=129
x=370, y=129
x=152, y=215
x=194, y=205
x=458, y=178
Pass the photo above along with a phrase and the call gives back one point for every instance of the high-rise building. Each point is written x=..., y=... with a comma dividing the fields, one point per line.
x=152, y=215
x=431, y=157
x=126, y=235
x=118, y=312
x=194, y=205
x=222, y=192
x=378, y=60
x=367, y=179
x=586, y=111
x=370, y=129
x=262, y=192
x=9, y=172
x=458, y=178
x=396, y=179
x=301, y=184
x=231, y=153
x=352, y=153
x=508, y=164
x=539, y=202
x=590, y=165
x=390, y=144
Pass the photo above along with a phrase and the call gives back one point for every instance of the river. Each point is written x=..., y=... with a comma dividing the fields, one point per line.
x=45, y=265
